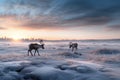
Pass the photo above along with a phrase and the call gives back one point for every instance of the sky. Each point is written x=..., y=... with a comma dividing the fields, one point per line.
x=60, y=19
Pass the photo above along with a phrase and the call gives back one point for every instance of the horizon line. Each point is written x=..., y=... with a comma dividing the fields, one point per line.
x=35, y=39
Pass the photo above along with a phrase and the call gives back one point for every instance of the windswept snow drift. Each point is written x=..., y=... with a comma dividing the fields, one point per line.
x=66, y=69
x=57, y=62
x=69, y=54
x=107, y=51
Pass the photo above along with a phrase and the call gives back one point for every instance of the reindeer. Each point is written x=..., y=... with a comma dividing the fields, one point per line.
x=35, y=46
x=74, y=46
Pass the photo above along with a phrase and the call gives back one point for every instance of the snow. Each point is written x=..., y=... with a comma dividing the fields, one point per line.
x=106, y=51
x=58, y=62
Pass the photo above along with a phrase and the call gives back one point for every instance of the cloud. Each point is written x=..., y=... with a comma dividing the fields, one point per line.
x=1, y=28
x=25, y=7
x=41, y=22
x=62, y=14
x=114, y=27
x=91, y=14
x=9, y=21
x=28, y=23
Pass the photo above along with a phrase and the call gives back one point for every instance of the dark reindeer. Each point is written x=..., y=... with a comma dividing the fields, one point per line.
x=35, y=46
x=73, y=46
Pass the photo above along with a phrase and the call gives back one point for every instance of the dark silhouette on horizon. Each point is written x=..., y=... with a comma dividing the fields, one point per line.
x=35, y=47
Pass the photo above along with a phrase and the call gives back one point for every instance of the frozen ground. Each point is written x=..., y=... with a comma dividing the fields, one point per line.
x=100, y=60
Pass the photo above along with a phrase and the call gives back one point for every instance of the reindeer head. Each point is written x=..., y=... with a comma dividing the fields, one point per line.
x=42, y=46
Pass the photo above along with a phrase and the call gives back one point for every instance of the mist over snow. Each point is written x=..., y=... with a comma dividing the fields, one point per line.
x=94, y=60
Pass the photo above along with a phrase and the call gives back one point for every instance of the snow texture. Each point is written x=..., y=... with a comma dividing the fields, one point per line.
x=92, y=61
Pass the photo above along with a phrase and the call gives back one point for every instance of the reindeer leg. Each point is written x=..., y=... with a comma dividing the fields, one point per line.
x=31, y=52
x=72, y=49
x=38, y=53
x=35, y=52
x=76, y=48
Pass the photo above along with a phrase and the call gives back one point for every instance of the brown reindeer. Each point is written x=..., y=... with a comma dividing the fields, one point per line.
x=74, y=46
x=35, y=46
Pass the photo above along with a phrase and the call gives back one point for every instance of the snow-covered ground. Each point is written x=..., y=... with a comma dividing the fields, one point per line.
x=100, y=60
